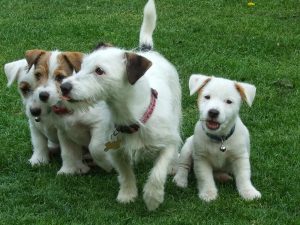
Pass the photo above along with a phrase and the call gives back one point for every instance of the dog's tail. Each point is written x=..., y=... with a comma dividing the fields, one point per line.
x=148, y=26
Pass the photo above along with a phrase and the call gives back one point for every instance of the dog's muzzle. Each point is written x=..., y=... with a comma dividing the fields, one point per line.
x=36, y=112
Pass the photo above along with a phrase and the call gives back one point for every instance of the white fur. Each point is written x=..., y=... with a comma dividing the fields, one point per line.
x=78, y=129
x=206, y=152
x=148, y=25
x=43, y=134
x=159, y=137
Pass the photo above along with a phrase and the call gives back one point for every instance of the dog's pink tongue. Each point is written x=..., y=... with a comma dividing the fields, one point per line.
x=212, y=125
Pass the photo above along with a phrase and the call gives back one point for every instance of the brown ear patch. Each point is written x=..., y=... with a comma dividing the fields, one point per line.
x=32, y=57
x=136, y=67
x=241, y=90
x=73, y=59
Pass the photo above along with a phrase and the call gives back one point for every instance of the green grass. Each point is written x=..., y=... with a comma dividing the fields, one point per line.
x=260, y=45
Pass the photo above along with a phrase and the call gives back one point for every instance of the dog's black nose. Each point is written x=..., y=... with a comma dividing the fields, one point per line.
x=66, y=88
x=213, y=113
x=35, y=111
x=44, y=96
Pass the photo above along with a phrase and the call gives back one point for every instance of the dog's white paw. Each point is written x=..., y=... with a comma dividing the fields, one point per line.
x=208, y=195
x=39, y=159
x=78, y=169
x=153, y=196
x=180, y=180
x=250, y=193
x=127, y=195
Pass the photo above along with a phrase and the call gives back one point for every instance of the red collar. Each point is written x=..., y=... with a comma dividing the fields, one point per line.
x=135, y=127
x=59, y=110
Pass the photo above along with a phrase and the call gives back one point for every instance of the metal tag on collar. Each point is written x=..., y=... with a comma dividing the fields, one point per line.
x=222, y=147
x=113, y=144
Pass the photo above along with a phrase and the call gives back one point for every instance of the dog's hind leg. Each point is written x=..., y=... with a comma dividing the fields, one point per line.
x=128, y=190
x=40, y=148
x=184, y=164
x=154, y=188
x=71, y=155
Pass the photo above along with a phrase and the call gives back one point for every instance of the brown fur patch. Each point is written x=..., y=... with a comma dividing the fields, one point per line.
x=41, y=71
x=241, y=90
x=32, y=56
x=136, y=66
x=25, y=88
x=73, y=59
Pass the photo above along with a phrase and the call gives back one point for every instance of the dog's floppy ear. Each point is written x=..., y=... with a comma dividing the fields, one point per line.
x=197, y=81
x=74, y=59
x=12, y=70
x=247, y=92
x=33, y=56
x=136, y=66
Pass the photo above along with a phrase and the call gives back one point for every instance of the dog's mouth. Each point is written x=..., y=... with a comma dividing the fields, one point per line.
x=60, y=109
x=212, y=125
x=69, y=99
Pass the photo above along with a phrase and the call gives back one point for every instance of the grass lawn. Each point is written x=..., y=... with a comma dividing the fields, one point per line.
x=259, y=45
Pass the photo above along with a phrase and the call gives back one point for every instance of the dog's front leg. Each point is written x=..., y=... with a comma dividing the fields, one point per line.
x=128, y=190
x=204, y=174
x=71, y=155
x=242, y=173
x=96, y=148
x=154, y=188
x=40, y=147
x=185, y=163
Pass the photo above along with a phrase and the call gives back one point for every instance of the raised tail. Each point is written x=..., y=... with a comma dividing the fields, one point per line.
x=148, y=26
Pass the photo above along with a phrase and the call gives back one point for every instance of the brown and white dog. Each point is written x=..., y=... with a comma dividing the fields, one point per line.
x=76, y=129
x=43, y=133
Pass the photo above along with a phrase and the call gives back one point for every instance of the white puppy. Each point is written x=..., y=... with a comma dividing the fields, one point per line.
x=43, y=134
x=143, y=93
x=221, y=141
x=77, y=130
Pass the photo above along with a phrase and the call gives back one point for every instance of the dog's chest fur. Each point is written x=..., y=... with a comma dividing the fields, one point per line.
x=46, y=127
x=236, y=146
x=73, y=128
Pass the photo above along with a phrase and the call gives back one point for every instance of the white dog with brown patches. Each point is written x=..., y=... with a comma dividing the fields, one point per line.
x=143, y=93
x=43, y=133
x=221, y=142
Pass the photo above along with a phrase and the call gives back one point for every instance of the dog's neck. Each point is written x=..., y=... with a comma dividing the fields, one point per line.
x=129, y=104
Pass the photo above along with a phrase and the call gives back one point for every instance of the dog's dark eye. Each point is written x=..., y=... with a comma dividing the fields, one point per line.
x=99, y=71
x=38, y=76
x=25, y=91
x=25, y=88
x=59, y=78
x=207, y=97
x=228, y=101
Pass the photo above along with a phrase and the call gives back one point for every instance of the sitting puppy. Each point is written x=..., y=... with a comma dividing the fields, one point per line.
x=77, y=130
x=221, y=141
x=143, y=93
x=43, y=134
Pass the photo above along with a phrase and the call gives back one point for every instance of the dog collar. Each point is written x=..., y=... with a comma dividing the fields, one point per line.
x=221, y=139
x=135, y=127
